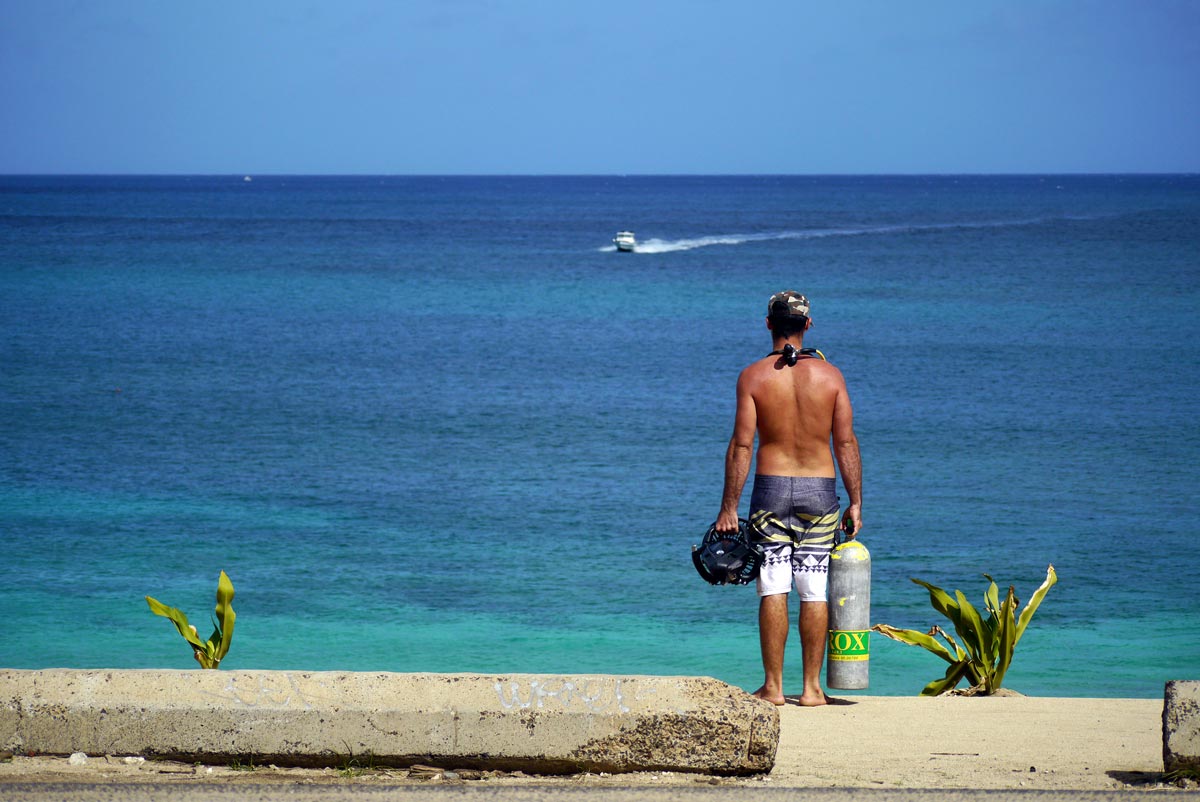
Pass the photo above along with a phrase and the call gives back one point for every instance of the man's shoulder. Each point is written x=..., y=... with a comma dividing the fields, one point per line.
x=767, y=371
x=829, y=372
x=824, y=366
x=771, y=362
x=758, y=367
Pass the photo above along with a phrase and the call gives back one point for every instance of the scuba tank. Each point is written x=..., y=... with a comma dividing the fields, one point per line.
x=848, y=664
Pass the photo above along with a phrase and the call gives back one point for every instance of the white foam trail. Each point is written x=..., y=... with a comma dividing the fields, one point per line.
x=667, y=246
x=655, y=245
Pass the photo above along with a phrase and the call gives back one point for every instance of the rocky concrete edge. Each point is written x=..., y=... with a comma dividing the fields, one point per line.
x=1181, y=725
x=549, y=724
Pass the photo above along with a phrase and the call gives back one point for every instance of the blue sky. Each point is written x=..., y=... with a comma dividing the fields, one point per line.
x=569, y=86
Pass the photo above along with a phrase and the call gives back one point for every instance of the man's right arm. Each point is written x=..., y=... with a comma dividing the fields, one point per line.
x=845, y=449
x=738, y=457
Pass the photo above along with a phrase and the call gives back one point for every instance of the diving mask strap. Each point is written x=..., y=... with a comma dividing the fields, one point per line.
x=791, y=354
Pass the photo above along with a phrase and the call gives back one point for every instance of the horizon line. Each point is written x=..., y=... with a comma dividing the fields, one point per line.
x=252, y=174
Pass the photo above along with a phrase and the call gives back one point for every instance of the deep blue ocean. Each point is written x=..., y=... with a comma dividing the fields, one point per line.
x=439, y=424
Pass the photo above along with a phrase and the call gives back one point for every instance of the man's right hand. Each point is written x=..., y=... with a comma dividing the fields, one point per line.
x=727, y=521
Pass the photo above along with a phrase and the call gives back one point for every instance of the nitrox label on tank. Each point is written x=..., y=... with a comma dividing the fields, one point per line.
x=849, y=644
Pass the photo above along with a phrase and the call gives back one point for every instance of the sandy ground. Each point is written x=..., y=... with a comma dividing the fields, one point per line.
x=893, y=743
x=954, y=742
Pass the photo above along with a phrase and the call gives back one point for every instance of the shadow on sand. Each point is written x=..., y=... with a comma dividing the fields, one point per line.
x=829, y=700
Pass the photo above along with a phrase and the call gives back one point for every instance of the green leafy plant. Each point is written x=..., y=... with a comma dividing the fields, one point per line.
x=208, y=653
x=1182, y=775
x=237, y=765
x=353, y=766
x=987, y=644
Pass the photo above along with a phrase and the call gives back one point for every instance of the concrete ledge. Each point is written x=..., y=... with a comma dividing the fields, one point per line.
x=536, y=723
x=1181, y=725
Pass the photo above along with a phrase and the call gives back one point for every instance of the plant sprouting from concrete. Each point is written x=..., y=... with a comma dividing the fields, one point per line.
x=208, y=653
x=989, y=642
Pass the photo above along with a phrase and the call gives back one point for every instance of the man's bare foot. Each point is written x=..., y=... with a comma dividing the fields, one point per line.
x=813, y=699
x=773, y=698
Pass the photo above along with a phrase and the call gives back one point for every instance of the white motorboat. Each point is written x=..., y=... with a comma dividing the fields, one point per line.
x=625, y=241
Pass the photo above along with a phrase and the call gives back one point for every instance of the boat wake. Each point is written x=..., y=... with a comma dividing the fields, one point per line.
x=668, y=246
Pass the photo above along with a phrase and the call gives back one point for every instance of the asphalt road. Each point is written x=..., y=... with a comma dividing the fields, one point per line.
x=140, y=792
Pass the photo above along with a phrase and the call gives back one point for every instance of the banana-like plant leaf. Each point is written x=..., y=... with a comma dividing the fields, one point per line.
x=971, y=628
x=952, y=609
x=1035, y=601
x=954, y=675
x=991, y=598
x=915, y=638
x=225, y=614
x=215, y=637
x=959, y=654
x=1006, y=641
x=177, y=618
x=940, y=600
x=973, y=674
x=989, y=644
x=207, y=653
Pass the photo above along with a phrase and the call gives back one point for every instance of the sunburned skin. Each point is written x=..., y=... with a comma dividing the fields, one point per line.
x=804, y=422
x=794, y=408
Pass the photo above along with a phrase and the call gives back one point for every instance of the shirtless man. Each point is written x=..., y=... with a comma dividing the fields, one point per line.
x=798, y=404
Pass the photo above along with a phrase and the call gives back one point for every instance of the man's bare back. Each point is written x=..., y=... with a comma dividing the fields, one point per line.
x=795, y=408
x=799, y=409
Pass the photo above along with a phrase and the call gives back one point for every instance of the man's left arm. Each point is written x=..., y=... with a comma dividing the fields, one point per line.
x=845, y=449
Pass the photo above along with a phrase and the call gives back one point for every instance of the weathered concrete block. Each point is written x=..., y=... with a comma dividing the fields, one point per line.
x=1181, y=725
x=539, y=723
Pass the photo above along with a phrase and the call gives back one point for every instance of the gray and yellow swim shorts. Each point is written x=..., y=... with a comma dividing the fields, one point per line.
x=794, y=520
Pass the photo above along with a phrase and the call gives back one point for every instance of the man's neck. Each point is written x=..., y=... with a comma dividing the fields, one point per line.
x=796, y=341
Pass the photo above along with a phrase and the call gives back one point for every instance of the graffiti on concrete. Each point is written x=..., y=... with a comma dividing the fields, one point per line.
x=275, y=689
x=593, y=695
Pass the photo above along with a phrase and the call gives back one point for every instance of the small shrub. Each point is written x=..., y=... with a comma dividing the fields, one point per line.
x=989, y=643
x=208, y=653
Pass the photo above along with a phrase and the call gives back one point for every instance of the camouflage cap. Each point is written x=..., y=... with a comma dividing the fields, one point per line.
x=794, y=305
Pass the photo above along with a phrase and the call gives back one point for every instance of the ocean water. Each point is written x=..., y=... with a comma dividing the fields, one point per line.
x=439, y=424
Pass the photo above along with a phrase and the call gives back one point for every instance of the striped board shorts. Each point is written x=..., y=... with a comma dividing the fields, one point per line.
x=794, y=520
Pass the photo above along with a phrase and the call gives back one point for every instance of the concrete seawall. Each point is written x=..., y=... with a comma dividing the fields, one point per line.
x=536, y=723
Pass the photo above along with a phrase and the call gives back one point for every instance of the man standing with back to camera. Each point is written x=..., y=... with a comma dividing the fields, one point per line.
x=798, y=404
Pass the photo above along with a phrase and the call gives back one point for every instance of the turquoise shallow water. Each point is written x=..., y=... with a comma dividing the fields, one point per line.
x=437, y=424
